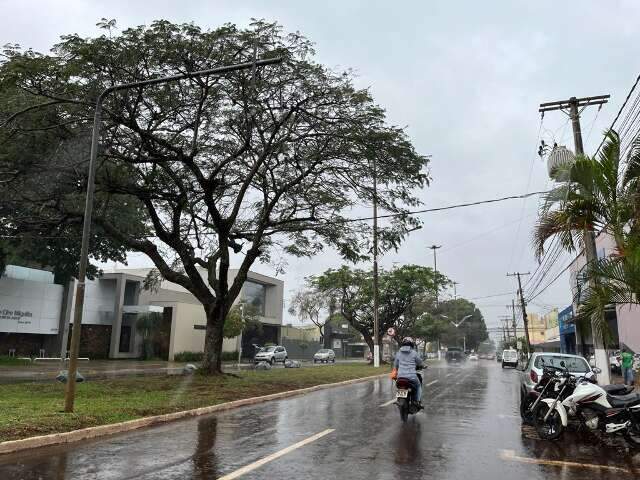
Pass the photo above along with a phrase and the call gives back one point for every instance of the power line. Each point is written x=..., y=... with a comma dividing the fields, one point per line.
x=351, y=220
x=533, y=159
x=551, y=282
x=624, y=104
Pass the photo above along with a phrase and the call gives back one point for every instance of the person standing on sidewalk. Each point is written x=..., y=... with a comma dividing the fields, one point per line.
x=627, y=367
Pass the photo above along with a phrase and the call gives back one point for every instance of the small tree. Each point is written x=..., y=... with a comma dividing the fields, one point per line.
x=309, y=305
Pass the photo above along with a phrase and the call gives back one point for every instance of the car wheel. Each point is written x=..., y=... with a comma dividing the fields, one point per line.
x=272, y=361
x=285, y=359
x=315, y=361
x=502, y=364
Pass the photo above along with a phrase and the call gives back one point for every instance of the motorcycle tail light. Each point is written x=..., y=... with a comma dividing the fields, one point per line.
x=534, y=376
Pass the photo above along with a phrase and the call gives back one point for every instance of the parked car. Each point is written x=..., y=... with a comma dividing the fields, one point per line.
x=491, y=356
x=509, y=358
x=325, y=355
x=473, y=357
x=271, y=354
x=482, y=356
x=532, y=371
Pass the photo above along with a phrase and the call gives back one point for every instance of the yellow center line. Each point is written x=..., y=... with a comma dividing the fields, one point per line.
x=510, y=455
x=269, y=458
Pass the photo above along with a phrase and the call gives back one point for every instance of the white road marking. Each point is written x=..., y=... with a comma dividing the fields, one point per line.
x=269, y=458
x=386, y=404
x=508, y=416
x=511, y=455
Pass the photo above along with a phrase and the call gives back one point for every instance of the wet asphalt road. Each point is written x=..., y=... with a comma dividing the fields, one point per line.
x=470, y=429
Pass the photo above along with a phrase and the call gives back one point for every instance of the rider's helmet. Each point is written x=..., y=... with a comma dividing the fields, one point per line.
x=407, y=342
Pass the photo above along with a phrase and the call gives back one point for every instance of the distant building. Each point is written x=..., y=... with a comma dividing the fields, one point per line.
x=567, y=329
x=536, y=327
x=35, y=316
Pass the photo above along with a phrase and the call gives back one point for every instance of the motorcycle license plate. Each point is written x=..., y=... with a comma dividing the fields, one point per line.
x=402, y=393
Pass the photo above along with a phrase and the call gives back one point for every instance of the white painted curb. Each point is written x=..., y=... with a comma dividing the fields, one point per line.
x=13, y=446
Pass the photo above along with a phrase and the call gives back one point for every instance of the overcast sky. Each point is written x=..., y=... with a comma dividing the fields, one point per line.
x=465, y=78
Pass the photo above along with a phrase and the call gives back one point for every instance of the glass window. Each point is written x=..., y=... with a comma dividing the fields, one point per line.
x=574, y=364
x=255, y=294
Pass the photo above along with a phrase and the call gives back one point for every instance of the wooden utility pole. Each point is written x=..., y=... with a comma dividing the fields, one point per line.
x=513, y=313
x=573, y=107
x=523, y=306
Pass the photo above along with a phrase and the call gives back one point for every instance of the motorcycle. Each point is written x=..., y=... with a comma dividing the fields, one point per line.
x=593, y=406
x=405, y=397
x=548, y=388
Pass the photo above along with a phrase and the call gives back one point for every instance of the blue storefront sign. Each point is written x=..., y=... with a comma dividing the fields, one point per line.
x=567, y=329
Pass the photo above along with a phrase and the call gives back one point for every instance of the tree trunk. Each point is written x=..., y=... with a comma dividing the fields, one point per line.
x=212, y=360
x=369, y=341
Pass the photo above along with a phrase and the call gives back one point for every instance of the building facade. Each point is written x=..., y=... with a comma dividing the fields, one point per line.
x=623, y=320
x=567, y=330
x=114, y=303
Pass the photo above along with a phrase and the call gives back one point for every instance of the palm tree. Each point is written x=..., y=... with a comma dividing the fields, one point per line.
x=597, y=194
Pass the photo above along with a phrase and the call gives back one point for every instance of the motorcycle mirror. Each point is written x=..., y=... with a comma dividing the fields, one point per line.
x=562, y=364
x=596, y=370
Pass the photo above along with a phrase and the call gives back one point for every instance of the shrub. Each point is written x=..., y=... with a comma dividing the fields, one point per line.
x=197, y=356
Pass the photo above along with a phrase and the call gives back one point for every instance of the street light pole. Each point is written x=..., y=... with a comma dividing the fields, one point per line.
x=376, y=340
x=435, y=269
x=70, y=391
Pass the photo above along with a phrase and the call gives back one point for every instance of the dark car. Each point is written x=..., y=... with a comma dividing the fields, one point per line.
x=455, y=355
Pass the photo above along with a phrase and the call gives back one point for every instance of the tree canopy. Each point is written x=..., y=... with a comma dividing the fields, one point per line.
x=244, y=162
x=401, y=290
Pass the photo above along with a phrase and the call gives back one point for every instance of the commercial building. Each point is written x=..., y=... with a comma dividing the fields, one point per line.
x=36, y=315
x=623, y=320
x=567, y=329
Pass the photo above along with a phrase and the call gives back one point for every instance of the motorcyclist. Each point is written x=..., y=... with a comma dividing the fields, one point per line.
x=407, y=362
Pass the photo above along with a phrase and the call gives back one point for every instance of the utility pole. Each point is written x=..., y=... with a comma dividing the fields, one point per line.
x=513, y=312
x=435, y=269
x=575, y=106
x=523, y=306
x=376, y=346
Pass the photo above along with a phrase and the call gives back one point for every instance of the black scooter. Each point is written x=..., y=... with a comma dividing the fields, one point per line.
x=405, y=397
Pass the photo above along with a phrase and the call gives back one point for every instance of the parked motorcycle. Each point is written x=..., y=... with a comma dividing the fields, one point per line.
x=548, y=388
x=405, y=397
x=593, y=406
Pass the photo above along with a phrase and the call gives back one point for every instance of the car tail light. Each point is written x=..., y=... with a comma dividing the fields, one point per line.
x=534, y=376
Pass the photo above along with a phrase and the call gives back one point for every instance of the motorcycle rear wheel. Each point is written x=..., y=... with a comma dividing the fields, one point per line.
x=550, y=429
x=403, y=406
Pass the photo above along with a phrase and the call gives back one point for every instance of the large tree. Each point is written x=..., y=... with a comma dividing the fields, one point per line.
x=243, y=162
x=400, y=291
x=472, y=331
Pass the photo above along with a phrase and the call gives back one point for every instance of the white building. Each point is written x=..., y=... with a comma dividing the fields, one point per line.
x=35, y=314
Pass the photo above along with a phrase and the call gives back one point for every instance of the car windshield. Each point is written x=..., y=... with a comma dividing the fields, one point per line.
x=323, y=351
x=268, y=349
x=574, y=364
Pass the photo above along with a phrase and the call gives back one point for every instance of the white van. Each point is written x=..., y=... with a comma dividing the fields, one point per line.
x=510, y=358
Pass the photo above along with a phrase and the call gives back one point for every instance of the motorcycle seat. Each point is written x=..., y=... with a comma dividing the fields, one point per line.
x=622, y=401
x=617, y=390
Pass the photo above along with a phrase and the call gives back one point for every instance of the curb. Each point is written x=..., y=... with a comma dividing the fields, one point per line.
x=14, y=446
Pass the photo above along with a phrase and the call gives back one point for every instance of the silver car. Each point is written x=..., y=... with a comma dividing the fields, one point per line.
x=325, y=355
x=271, y=355
x=532, y=371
